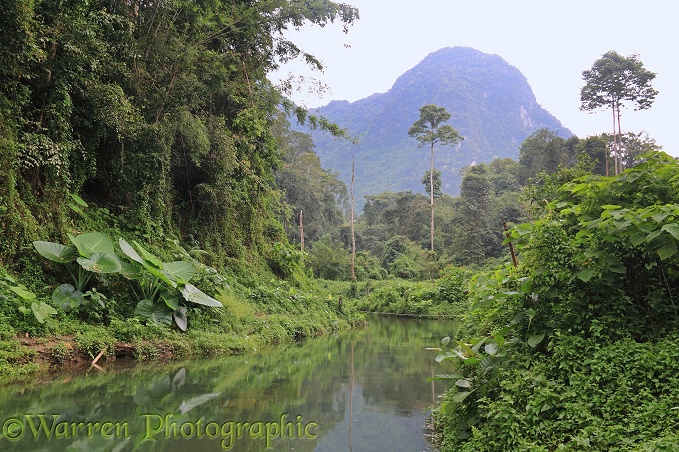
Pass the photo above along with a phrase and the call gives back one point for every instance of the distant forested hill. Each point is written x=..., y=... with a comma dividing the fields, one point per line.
x=491, y=104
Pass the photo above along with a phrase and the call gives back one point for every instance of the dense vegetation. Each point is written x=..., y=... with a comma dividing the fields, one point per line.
x=137, y=159
x=575, y=349
x=154, y=200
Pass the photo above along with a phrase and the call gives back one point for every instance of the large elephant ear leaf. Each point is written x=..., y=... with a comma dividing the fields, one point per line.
x=180, y=271
x=101, y=263
x=92, y=242
x=67, y=297
x=56, y=251
x=42, y=311
x=180, y=318
x=130, y=252
x=149, y=257
x=157, y=313
x=130, y=270
x=194, y=294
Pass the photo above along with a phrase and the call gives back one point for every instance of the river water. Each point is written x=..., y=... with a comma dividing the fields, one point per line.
x=362, y=390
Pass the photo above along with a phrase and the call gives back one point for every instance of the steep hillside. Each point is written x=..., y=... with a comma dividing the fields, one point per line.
x=491, y=104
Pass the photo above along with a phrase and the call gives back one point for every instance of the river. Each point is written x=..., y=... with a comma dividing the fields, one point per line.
x=362, y=390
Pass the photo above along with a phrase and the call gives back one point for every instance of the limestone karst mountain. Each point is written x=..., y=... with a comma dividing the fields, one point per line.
x=491, y=103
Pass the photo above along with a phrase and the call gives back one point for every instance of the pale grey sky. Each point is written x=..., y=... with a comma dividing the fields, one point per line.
x=550, y=42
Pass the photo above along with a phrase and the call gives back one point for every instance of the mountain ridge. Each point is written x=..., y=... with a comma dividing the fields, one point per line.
x=491, y=105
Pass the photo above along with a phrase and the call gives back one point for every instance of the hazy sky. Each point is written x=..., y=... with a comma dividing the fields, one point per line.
x=550, y=42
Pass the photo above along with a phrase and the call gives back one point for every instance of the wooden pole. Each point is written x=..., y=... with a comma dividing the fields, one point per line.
x=511, y=245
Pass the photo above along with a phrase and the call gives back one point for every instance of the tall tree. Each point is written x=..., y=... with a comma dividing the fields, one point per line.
x=430, y=129
x=613, y=80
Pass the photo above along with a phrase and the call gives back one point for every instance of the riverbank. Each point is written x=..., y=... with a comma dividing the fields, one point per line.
x=241, y=327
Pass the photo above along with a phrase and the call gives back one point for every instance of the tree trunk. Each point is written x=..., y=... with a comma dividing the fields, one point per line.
x=353, y=237
x=615, y=142
x=431, y=194
x=301, y=229
x=620, y=141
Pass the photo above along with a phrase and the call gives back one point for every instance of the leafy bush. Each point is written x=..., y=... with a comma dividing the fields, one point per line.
x=576, y=348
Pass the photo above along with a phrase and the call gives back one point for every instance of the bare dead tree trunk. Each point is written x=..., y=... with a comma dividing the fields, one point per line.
x=301, y=229
x=431, y=195
x=353, y=236
x=511, y=245
x=615, y=143
x=620, y=141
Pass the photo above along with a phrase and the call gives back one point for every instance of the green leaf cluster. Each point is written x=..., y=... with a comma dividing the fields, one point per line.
x=583, y=319
x=159, y=281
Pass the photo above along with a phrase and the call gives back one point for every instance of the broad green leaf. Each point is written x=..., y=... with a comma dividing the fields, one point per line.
x=67, y=297
x=466, y=348
x=659, y=217
x=526, y=285
x=180, y=318
x=499, y=340
x=24, y=310
x=180, y=271
x=533, y=341
x=667, y=250
x=157, y=313
x=195, y=295
x=617, y=268
x=23, y=292
x=579, y=187
x=148, y=256
x=130, y=270
x=130, y=252
x=42, y=311
x=461, y=396
x=92, y=242
x=491, y=348
x=144, y=309
x=463, y=383
x=158, y=274
x=445, y=377
x=471, y=361
x=56, y=251
x=653, y=235
x=75, y=208
x=638, y=238
x=586, y=274
x=155, y=270
x=100, y=263
x=172, y=302
x=672, y=228
x=78, y=200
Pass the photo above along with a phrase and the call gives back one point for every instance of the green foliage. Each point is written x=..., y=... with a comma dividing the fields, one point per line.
x=329, y=259
x=159, y=282
x=17, y=294
x=446, y=296
x=426, y=181
x=563, y=352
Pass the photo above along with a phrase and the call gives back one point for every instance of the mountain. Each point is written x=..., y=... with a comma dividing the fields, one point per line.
x=491, y=105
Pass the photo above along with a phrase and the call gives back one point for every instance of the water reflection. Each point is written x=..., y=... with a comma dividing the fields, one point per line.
x=359, y=391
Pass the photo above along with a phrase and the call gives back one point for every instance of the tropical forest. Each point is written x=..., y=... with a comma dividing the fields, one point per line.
x=164, y=202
